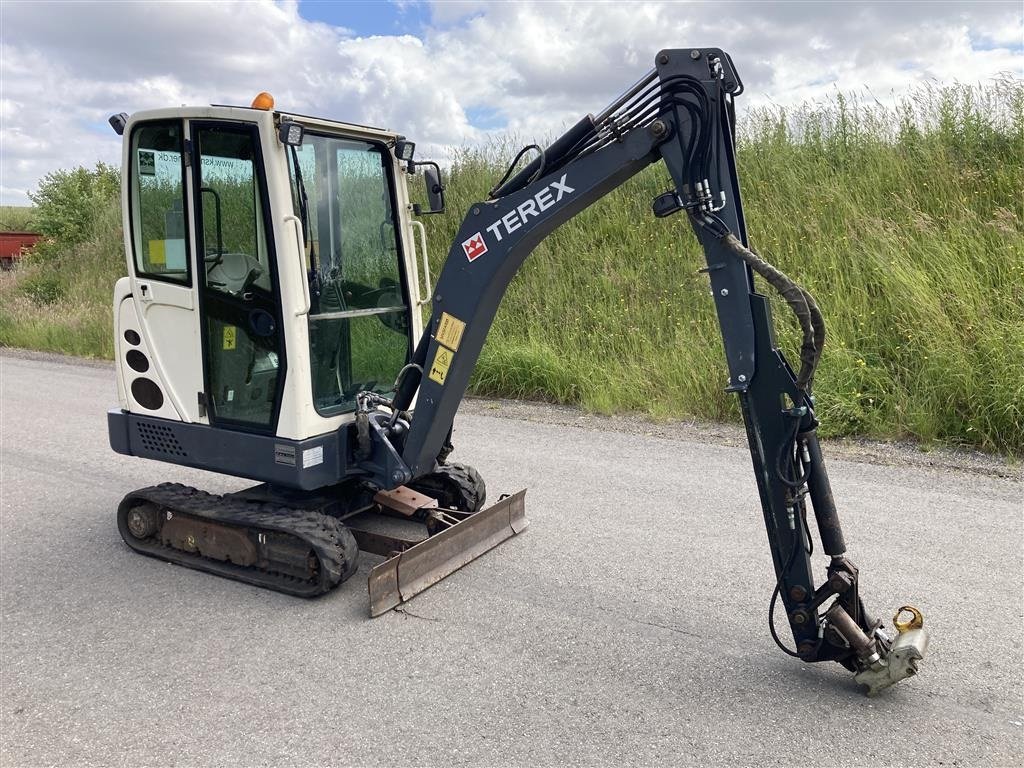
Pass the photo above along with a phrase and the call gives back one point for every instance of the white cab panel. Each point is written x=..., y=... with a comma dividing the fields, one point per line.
x=139, y=369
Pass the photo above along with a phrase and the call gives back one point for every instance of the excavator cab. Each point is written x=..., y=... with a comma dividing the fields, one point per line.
x=273, y=299
x=238, y=240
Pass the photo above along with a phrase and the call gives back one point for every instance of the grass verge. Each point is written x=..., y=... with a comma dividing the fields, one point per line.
x=907, y=224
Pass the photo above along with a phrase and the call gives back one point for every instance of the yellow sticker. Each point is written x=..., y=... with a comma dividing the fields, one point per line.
x=157, y=253
x=442, y=362
x=229, y=336
x=449, y=331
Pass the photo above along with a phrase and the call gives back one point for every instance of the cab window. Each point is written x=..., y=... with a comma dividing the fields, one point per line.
x=359, y=316
x=157, y=202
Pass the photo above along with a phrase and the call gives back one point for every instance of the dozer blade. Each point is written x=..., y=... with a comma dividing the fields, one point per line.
x=413, y=570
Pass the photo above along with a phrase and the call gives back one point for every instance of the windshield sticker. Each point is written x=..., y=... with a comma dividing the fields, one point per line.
x=147, y=163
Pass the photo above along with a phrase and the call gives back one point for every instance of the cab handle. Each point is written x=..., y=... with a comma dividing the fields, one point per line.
x=296, y=223
x=418, y=226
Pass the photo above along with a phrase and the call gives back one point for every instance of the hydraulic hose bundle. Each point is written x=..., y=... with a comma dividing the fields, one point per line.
x=640, y=106
x=799, y=299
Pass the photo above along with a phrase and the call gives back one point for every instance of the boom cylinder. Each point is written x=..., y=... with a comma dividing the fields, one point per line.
x=626, y=96
x=582, y=131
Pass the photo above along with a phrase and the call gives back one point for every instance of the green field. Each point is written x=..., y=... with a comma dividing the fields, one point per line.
x=907, y=224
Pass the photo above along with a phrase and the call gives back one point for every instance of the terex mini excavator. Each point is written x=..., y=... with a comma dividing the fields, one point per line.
x=271, y=328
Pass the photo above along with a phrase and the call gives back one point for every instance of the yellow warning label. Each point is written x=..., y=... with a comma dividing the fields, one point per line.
x=449, y=331
x=442, y=362
x=157, y=253
x=229, y=336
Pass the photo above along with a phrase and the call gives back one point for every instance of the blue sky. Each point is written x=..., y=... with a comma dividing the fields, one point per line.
x=385, y=17
x=450, y=74
x=369, y=18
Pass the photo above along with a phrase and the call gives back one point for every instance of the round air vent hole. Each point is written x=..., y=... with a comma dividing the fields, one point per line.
x=147, y=394
x=137, y=361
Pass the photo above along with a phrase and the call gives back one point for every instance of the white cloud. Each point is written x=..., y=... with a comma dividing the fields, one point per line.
x=532, y=67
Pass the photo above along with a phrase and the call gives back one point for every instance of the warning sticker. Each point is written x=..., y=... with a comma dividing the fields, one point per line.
x=312, y=456
x=442, y=362
x=449, y=331
x=229, y=336
x=167, y=255
x=157, y=254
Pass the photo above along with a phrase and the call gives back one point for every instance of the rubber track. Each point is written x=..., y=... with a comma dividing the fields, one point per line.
x=332, y=542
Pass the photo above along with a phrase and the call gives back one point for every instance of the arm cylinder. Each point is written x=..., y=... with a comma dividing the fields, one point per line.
x=821, y=498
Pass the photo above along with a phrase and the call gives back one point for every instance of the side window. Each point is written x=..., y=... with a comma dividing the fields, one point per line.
x=232, y=236
x=157, y=202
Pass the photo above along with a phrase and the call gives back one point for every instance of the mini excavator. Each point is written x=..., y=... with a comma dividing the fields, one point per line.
x=271, y=327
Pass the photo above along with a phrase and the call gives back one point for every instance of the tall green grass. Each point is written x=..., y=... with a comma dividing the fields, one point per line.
x=60, y=299
x=906, y=223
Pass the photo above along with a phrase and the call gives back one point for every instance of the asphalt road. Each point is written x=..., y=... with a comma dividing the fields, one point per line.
x=626, y=626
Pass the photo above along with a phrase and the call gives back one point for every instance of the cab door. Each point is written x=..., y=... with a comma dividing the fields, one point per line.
x=162, y=304
x=239, y=296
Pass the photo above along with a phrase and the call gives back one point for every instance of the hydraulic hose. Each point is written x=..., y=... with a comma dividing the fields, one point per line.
x=808, y=315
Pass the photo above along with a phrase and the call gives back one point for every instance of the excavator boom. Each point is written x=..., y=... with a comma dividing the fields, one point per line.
x=680, y=114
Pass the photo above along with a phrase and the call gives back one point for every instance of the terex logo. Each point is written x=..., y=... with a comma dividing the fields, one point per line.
x=543, y=200
x=474, y=247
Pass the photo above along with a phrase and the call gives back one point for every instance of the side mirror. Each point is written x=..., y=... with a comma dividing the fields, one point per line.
x=118, y=122
x=435, y=189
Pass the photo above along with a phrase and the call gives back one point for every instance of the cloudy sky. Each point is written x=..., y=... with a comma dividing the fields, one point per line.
x=447, y=73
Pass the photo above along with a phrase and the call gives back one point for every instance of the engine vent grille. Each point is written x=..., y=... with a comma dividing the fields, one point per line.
x=160, y=438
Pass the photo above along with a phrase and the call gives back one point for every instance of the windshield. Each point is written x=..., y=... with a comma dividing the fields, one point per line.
x=359, y=319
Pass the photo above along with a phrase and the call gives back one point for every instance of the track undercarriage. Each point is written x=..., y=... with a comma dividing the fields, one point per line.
x=306, y=545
